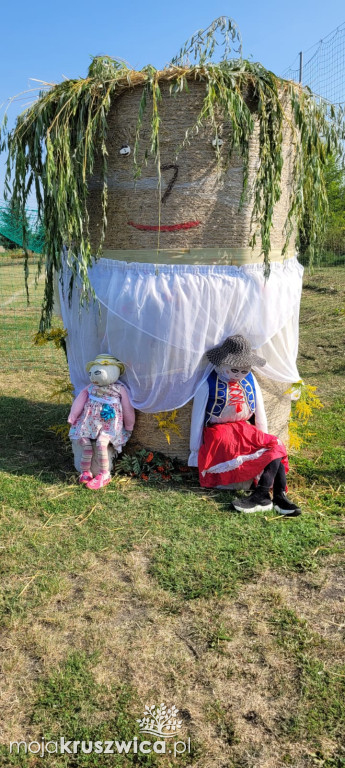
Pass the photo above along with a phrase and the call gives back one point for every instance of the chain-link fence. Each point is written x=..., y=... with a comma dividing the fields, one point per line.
x=330, y=254
x=322, y=69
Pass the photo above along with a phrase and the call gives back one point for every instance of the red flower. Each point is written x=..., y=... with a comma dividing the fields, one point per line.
x=144, y=477
x=160, y=469
x=149, y=458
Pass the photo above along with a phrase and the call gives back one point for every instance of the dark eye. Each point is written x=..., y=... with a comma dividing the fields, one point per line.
x=235, y=370
x=216, y=143
x=244, y=372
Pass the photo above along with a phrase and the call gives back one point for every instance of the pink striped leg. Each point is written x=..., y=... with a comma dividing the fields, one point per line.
x=86, y=458
x=102, y=443
x=104, y=476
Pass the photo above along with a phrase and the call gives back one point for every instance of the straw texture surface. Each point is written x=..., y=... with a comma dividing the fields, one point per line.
x=199, y=196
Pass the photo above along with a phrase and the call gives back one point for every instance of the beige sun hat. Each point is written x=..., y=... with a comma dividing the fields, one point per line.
x=106, y=360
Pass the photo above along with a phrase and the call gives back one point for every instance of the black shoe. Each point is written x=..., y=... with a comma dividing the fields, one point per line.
x=256, y=502
x=284, y=506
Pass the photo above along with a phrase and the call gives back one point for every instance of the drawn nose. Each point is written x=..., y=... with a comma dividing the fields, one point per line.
x=171, y=183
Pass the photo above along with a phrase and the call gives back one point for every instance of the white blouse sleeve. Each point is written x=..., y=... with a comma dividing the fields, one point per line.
x=197, y=423
x=260, y=413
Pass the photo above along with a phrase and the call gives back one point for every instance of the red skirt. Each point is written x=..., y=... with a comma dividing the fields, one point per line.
x=235, y=452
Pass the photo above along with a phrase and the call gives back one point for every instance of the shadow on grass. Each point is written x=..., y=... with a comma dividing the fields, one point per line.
x=29, y=445
x=319, y=289
x=31, y=448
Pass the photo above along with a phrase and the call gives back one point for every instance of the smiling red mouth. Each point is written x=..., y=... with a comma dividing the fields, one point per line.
x=164, y=227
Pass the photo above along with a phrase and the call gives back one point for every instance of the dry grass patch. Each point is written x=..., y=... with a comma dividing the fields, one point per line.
x=217, y=659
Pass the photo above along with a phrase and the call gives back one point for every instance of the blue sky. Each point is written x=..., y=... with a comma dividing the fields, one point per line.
x=51, y=40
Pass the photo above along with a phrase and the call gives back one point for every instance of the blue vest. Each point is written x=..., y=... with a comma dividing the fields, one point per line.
x=218, y=391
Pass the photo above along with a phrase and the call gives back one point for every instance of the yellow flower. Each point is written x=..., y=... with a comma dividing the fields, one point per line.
x=302, y=410
x=167, y=422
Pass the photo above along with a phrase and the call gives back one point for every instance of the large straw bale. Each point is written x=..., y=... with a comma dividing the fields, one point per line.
x=199, y=194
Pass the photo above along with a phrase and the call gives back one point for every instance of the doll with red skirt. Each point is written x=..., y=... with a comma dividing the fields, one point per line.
x=229, y=439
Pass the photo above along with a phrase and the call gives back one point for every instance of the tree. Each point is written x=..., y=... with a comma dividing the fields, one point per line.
x=334, y=241
x=332, y=246
x=11, y=229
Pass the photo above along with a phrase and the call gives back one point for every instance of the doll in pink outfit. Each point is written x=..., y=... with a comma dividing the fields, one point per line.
x=101, y=412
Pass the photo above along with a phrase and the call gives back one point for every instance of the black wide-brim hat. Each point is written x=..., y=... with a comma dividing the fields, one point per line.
x=235, y=352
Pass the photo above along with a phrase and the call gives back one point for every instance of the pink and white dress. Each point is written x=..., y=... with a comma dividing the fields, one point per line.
x=99, y=411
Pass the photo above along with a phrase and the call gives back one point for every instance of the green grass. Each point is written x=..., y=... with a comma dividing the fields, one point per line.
x=68, y=703
x=226, y=548
x=19, y=320
x=320, y=686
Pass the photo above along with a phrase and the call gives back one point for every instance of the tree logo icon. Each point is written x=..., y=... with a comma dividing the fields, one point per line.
x=160, y=721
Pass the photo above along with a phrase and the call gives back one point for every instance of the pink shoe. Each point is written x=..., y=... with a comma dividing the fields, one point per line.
x=99, y=481
x=85, y=477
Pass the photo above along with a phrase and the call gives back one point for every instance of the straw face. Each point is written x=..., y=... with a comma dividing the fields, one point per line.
x=199, y=207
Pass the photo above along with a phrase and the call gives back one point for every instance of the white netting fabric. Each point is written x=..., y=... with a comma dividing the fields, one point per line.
x=160, y=320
